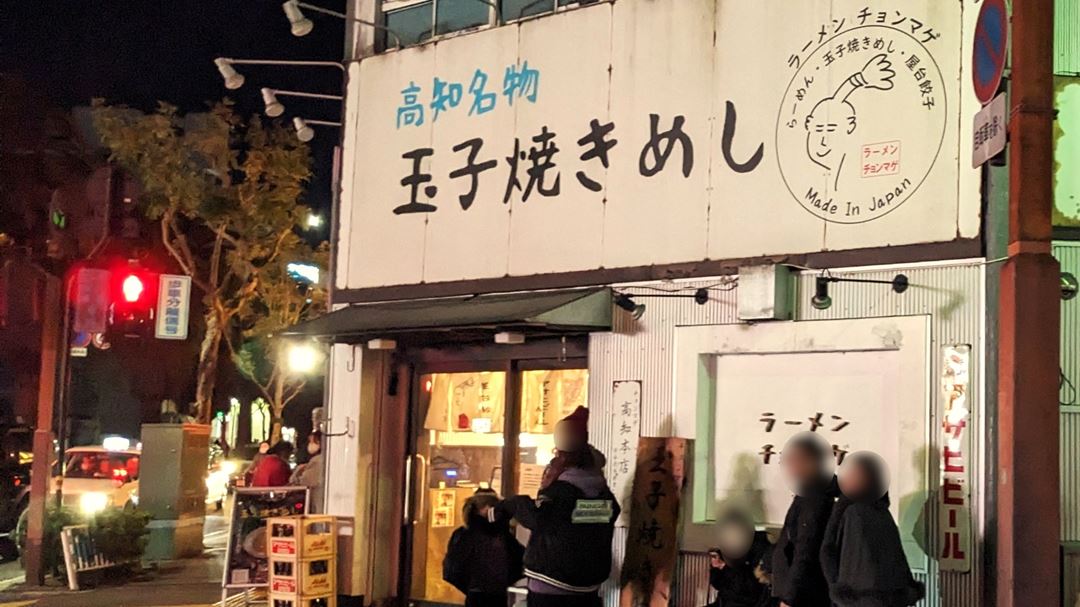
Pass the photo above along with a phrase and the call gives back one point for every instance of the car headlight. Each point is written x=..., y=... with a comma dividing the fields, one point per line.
x=92, y=503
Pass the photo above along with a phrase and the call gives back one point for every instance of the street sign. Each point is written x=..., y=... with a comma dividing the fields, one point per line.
x=174, y=303
x=988, y=51
x=989, y=131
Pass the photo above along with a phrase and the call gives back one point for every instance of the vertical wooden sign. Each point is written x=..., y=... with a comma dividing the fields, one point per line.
x=652, y=541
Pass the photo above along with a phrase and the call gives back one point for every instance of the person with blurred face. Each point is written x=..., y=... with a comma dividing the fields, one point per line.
x=797, y=579
x=862, y=556
x=572, y=521
x=734, y=564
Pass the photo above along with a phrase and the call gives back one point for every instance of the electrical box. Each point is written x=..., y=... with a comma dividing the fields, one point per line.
x=765, y=293
x=172, y=488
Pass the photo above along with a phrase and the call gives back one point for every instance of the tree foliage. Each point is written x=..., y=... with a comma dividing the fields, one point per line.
x=227, y=193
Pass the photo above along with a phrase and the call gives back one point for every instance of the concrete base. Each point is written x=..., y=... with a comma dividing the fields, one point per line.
x=174, y=539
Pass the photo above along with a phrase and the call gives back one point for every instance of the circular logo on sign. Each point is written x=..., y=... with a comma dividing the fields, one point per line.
x=861, y=124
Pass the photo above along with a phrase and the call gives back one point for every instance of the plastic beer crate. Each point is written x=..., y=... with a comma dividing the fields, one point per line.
x=302, y=537
x=290, y=600
x=307, y=577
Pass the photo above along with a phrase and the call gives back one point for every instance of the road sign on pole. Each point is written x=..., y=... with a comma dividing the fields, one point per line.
x=989, y=50
x=174, y=301
x=989, y=131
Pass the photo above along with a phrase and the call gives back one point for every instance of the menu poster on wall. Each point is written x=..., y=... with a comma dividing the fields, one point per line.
x=626, y=429
x=246, y=565
x=955, y=524
x=652, y=543
x=529, y=479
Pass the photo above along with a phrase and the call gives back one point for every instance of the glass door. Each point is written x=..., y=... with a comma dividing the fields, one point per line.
x=463, y=437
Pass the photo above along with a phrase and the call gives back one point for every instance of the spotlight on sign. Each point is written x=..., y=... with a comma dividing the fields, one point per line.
x=233, y=79
x=821, y=299
x=625, y=302
x=299, y=24
x=303, y=132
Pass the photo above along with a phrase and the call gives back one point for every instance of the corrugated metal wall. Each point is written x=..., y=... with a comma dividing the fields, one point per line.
x=952, y=294
x=1067, y=37
x=1068, y=253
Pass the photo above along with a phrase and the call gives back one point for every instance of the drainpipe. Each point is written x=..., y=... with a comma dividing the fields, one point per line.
x=1028, y=509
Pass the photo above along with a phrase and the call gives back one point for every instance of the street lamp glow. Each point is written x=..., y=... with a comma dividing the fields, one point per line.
x=314, y=221
x=273, y=107
x=300, y=25
x=303, y=132
x=302, y=358
x=233, y=78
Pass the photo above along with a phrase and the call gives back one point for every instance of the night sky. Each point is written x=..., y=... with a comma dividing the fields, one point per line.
x=137, y=52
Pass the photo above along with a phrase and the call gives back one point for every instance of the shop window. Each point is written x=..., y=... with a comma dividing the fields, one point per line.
x=260, y=421
x=463, y=426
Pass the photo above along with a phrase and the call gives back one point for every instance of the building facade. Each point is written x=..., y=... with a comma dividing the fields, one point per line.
x=719, y=221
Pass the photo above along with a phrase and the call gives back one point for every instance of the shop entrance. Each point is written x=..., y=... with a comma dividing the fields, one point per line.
x=476, y=425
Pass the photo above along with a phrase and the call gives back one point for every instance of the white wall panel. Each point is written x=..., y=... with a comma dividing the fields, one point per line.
x=950, y=293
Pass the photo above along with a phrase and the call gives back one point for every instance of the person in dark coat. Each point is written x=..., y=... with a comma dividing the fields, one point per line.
x=862, y=556
x=797, y=577
x=572, y=522
x=483, y=557
x=735, y=564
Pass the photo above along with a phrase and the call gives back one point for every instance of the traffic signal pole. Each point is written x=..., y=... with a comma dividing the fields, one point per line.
x=1028, y=520
x=40, y=473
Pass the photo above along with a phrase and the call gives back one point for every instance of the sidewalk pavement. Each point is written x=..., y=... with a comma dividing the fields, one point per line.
x=189, y=583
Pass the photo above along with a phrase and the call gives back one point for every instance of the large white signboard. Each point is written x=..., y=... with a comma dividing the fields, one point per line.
x=652, y=132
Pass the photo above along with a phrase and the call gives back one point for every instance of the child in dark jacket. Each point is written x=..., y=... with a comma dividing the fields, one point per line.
x=483, y=558
x=736, y=566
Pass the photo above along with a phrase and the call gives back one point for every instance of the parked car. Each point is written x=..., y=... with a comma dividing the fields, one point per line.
x=97, y=478
x=15, y=459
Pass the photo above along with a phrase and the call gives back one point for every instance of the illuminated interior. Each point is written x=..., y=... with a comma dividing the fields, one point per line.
x=460, y=444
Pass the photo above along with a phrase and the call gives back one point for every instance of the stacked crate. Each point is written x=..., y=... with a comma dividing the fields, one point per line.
x=303, y=564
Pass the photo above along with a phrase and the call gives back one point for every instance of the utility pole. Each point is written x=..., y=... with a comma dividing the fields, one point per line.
x=1028, y=569
x=40, y=472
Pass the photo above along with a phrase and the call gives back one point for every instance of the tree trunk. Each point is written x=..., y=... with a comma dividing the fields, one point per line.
x=277, y=408
x=209, y=355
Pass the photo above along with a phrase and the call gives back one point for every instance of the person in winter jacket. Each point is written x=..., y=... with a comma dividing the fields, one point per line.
x=273, y=469
x=310, y=473
x=483, y=557
x=862, y=556
x=735, y=563
x=572, y=522
x=796, y=573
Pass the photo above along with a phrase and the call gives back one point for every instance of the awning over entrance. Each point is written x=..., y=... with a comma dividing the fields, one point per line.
x=542, y=312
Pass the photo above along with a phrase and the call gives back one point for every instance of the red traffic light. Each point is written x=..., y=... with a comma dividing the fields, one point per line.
x=132, y=288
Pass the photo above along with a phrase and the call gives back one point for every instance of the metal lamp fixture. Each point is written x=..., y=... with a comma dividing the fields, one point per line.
x=299, y=24
x=233, y=79
x=1069, y=286
x=822, y=301
x=274, y=108
x=303, y=132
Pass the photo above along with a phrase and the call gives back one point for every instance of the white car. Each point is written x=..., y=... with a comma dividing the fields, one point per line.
x=97, y=478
